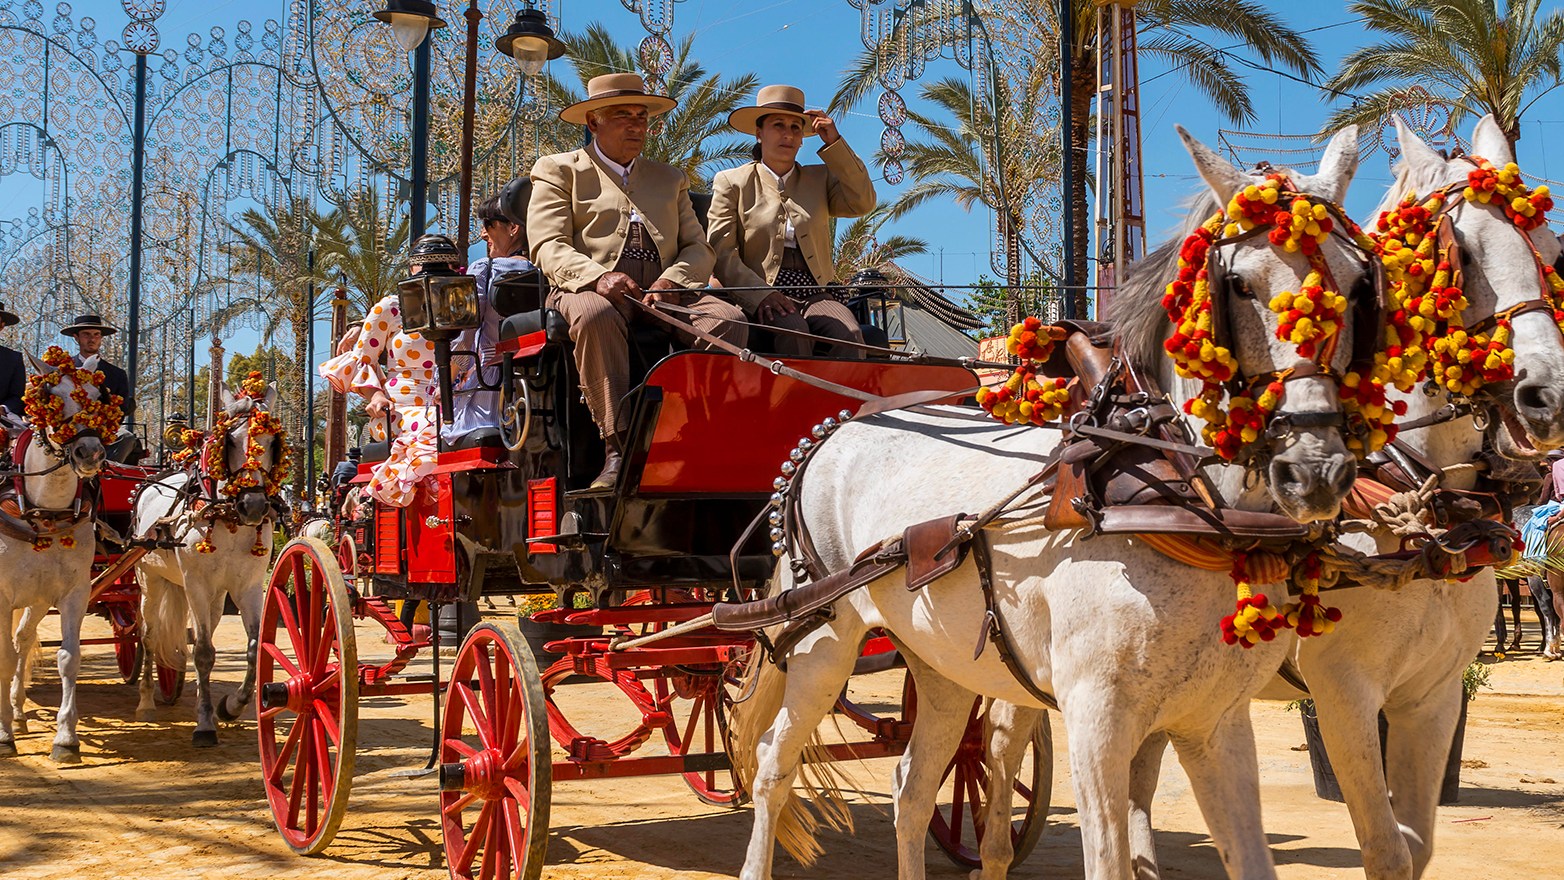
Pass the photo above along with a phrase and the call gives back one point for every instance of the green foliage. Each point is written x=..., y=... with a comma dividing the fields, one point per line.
x=995, y=303
x=1462, y=51
x=1474, y=677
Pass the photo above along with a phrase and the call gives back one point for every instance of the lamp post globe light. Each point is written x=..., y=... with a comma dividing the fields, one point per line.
x=530, y=41
x=411, y=21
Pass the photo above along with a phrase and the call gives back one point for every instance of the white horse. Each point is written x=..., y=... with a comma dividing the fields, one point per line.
x=224, y=549
x=58, y=574
x=1125, y=639
x=1402, y=652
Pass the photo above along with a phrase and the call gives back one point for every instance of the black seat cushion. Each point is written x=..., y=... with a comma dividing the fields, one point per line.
x=519, y=325
x=373, y=452
x=488, y=435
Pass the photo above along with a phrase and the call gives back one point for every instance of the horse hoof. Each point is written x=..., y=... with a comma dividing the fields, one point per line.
x=20, y=727
x=227, y=713
x=204, y=739
x=145, y=715
x=65, y=754
x=7, y=749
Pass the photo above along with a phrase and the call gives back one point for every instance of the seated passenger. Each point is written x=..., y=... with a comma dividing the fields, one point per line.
x=607, y=224
x=406, y=396
x=770, y=221
x=506, y=238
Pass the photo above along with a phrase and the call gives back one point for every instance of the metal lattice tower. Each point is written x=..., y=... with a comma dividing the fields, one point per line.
x=1120, y=219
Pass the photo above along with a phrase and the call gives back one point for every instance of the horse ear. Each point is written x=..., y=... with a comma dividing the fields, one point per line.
x=39, y=366
x=271, y=396
x=89, y=363
x=1338, y=164
x=1489, y=142
x=1414, y=150
x=1222, y=176
x=226, y=397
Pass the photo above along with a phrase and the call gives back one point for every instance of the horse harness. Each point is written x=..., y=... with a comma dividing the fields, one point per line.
x=21, y=521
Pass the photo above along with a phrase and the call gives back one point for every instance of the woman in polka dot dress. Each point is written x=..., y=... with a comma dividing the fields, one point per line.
x=396, y=372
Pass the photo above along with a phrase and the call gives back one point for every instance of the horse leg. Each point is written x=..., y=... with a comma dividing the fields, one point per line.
x=1542, y=602
x=1224, y=775
x=9, y=669
x=205, y=655
x=1514, y=586
x=1417, y=752
x=26, y=638
x=943, y=708
x=1555, y=584
x=73, y=608
x=1145, y=770
x=1349, y=727
x=816, y=672
x=1102, y=742
x=1500, y=633
x=232, y=705
x=1011, y=730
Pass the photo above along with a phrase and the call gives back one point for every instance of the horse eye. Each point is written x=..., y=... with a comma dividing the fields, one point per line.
x=1239, y=287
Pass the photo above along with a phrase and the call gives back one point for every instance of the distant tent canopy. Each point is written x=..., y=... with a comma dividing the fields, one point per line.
x=922, y=319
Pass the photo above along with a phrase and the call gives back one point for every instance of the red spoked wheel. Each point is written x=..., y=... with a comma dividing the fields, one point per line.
x=307, y=677
x=960, y=809
x=496, y=768
x=702, y=729
x=127, y=641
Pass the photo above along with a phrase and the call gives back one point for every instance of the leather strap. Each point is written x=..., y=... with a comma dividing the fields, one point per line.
x=994, y=629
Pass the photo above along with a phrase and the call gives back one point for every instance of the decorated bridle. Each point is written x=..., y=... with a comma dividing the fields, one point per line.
x=1238, y=410
x=220, y=485
x=1427, y=335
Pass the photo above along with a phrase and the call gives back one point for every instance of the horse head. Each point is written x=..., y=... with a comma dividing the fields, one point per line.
x=252, y=447
x=1267, y=326
x=1506, y=259
x=80, y=446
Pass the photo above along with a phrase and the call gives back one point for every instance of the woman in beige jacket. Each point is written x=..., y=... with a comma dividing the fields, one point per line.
x=770, y=221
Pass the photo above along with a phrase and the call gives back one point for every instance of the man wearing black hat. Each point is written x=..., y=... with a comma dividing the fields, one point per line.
x=89, y=331
x=13, y=373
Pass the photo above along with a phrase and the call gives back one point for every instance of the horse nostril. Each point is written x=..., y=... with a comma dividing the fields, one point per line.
x=1343, y=472
x=1293, y=479
x=1537, y=399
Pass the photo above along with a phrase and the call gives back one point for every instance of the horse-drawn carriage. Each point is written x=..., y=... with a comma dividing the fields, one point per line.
x=508, y=510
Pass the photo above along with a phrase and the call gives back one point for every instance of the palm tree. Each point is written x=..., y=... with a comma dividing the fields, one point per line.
x=1166, y=32
x=364, y=245
x=276, y=242
x=859, y=247
x=694, y=136
x=1461, y=51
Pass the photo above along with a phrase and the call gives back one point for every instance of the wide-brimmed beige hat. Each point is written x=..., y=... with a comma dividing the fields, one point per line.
x=786, y=100
x=612, y=89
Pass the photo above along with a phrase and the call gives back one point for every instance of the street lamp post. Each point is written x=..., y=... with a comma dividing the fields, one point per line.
x=411, y=21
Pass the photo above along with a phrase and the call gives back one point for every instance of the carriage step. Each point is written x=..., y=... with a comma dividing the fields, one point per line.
x=572, y=539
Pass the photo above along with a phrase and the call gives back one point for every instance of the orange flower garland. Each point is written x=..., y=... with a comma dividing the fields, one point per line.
x=46, y=410
x=1027, y=398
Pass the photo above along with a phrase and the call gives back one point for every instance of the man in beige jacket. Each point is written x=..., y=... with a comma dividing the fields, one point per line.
x=770, y=221
x=606, y=226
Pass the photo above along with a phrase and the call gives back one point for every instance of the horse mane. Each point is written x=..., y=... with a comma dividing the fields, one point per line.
x=1139, y=321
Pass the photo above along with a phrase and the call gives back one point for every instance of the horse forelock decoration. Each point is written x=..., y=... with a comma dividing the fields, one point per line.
x=1111, y=628
x=219, y=512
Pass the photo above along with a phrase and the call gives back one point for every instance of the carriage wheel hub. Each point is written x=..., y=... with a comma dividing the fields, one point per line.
x=484, y=774
x=300, y=692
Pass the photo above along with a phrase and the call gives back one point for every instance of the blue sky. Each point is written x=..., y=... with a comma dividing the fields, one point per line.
x=808, y=42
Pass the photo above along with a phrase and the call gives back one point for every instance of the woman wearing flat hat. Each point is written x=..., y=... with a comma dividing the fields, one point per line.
x=770, y=220
x=405, y=395
x=13, y=373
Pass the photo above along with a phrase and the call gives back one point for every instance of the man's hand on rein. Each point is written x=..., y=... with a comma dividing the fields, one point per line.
x=663, y=290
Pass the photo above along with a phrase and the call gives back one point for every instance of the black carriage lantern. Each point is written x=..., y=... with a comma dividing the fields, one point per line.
x=868, y=295
x=411, y=21
x=439, y=304
x=530, y=41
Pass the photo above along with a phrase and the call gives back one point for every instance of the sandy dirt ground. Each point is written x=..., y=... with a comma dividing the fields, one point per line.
x=145, y=803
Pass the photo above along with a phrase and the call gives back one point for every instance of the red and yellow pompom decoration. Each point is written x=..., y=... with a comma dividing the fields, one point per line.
x=215, y=462
x=46, y=410
x=1028, y=398
x=42, y=544
x=205, y=545
x=1527, y=208
x=1309, y=616
x=1255, y=619
x=259, y=548
x=193, y=440
x=1310, y=318
x=253, y=386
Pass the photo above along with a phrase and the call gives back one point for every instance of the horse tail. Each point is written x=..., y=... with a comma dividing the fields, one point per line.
x=165, y=616
x=799, y=821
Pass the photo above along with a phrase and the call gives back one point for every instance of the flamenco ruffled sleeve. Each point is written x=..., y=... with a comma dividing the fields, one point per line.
x=357, y=370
